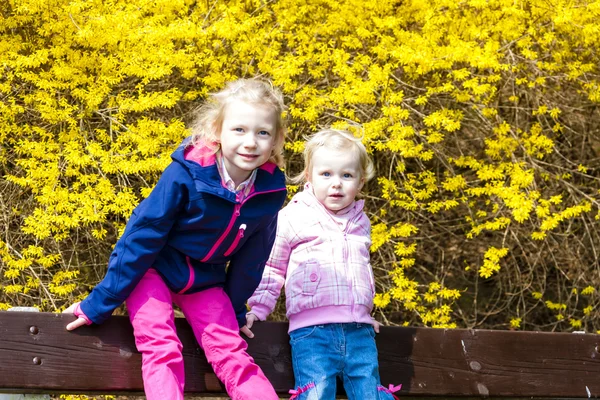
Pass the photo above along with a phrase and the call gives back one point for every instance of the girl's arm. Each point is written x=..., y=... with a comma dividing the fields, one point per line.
x=265, y=297
x=145, y=235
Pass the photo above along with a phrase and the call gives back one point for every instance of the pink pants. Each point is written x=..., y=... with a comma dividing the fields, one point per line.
x=213, y=321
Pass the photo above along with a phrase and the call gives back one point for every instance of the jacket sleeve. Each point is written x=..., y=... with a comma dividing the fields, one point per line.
x=246, y=268
x=263, y=301
x=145, y=235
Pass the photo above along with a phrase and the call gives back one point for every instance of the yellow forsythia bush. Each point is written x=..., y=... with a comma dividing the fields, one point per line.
x=481, y=116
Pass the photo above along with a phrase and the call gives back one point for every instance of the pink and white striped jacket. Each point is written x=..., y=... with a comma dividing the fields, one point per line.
x=323, y=261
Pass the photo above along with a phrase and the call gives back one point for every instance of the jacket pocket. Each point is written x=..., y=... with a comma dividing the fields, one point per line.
x=312, y=277
x=236, y=241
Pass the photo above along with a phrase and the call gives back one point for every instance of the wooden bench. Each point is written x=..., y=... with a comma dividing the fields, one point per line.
x=37, y=355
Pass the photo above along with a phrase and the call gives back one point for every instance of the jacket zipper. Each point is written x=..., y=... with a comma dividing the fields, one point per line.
x=239, y=235
x=236, y=213
x=345, y=255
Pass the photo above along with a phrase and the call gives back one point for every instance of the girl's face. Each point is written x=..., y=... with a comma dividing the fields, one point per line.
x=247, y=138
x=335, y=177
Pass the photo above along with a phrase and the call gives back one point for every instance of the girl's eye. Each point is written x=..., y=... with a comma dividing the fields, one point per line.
x=238, y=129
x=264, y=133
x=326, y=174
x=347, y=176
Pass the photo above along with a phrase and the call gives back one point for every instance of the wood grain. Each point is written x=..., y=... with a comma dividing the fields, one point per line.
x=37, y=355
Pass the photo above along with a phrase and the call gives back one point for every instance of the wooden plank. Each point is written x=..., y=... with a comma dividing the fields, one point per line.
x=37, y=355
x=486, y=363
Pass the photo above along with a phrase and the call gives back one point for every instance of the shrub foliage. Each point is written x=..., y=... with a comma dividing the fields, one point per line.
x=481, y=116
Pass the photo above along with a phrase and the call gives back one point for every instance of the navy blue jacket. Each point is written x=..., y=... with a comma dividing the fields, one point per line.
x=188, y=229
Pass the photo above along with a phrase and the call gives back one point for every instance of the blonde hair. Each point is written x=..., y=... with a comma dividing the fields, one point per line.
x=335, y=139
x=206, y=127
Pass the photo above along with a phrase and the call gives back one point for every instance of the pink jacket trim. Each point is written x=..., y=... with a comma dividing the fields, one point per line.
x=192, y=277
x=80, y=314
x=203, y=155
x=269, y=167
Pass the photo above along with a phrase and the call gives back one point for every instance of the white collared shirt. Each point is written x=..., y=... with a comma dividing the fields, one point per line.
x=243, y=189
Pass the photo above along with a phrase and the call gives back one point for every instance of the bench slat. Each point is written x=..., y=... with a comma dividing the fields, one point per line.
x=37, y=355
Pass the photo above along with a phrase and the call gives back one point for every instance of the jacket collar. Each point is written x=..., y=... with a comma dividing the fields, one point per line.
x=203, y=169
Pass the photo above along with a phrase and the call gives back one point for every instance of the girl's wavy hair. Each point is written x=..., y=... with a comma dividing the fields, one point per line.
x=335, y=139
x=206, y=128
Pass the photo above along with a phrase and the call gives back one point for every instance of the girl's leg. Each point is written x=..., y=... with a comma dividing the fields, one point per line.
x=317, y=358
x=361, y=370
x=151, y=314
x=213, y=321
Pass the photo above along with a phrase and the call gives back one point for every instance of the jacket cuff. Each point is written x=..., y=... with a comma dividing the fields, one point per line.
x=261, y=311
x=80, y=314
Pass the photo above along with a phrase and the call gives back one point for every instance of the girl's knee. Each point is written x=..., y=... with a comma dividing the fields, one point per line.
x=158, y=337
x=159, y=347
x=220, y=342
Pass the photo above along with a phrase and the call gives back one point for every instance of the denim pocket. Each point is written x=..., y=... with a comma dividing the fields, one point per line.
x=371, y=331
x=312, y=277
x=301, y=333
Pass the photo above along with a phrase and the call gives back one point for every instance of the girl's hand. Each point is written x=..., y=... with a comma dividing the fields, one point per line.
x=81, y=320
x=376, y=326
x=250, y=319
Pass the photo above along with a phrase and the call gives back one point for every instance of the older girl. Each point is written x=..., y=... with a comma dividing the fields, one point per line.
x=201, y=240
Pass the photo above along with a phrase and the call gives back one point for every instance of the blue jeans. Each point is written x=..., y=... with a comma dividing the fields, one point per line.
x=322, y=353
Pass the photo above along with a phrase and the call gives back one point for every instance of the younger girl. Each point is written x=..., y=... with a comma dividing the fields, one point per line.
x=201, y=240
x=321, y=254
